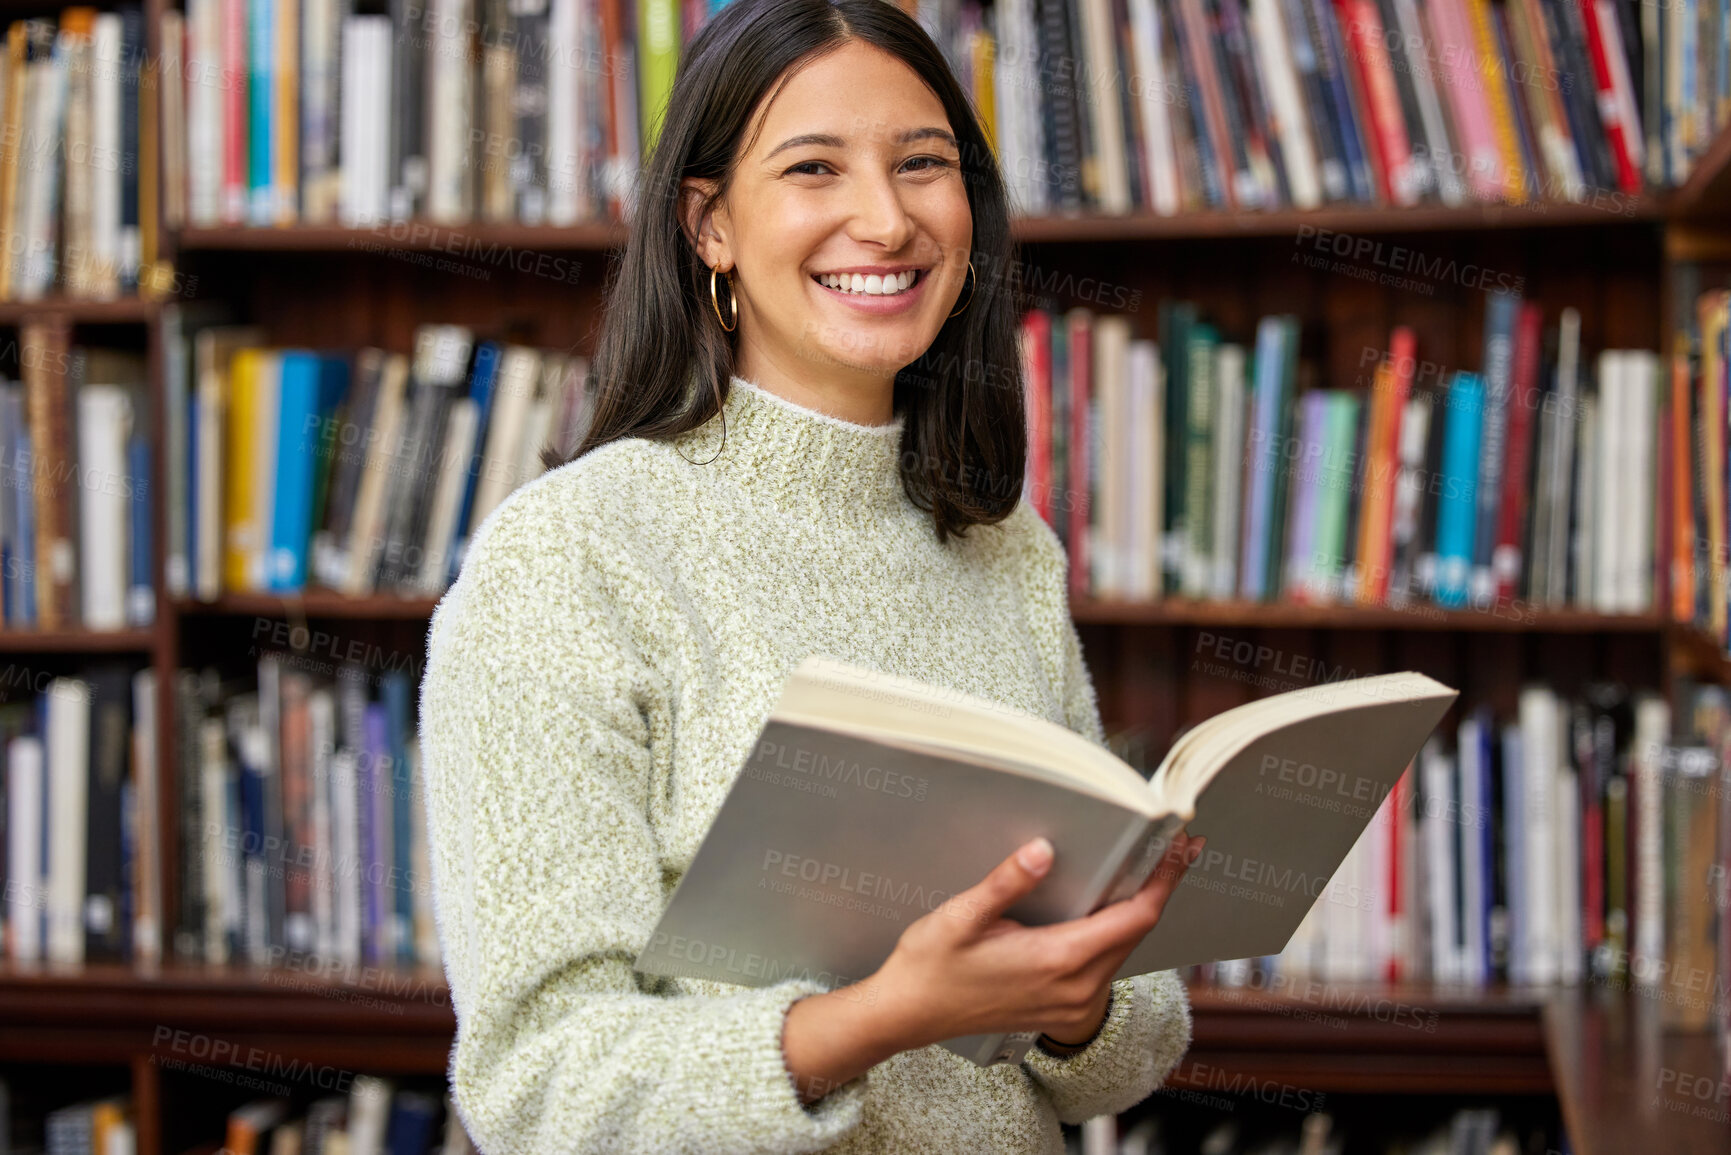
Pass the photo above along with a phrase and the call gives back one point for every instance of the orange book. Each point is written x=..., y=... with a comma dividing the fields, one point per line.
x=1375, y=495
x=1682, y=505
x=1491, y=72
x=1712, y=309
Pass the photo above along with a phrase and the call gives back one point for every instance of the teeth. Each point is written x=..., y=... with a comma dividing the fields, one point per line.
x=873, y=285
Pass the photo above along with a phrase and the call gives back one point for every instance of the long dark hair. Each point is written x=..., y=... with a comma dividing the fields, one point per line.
x=662, y=362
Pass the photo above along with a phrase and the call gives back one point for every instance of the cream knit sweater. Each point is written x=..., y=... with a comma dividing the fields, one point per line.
x=620, y=630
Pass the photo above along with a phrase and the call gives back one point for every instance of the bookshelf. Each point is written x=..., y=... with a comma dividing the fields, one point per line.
x=329, y=284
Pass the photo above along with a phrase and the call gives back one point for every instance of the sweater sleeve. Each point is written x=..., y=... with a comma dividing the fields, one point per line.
x=540, y=727
x=1147, y=1029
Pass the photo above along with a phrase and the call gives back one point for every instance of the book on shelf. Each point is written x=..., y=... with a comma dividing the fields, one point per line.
x=378, y=1116
x=1498, y=490
x=358, y=472
x=301, y=796
x=842, y=827
x=83, y=869
x=1161, y=106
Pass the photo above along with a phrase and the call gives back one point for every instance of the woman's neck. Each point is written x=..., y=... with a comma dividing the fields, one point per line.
x=850, y=396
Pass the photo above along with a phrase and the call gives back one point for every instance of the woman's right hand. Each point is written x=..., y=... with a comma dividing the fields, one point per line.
x=965, y=969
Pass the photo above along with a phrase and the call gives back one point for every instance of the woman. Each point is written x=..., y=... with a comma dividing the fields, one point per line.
x=777, y=466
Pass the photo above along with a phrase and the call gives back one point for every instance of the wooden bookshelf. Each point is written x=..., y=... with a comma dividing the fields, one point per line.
x=78, y=641
x=314, y=603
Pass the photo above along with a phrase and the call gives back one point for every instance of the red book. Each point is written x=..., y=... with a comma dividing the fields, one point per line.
x=234, y=112
x=1037, y=367
x=1523, y=400
x=1403, y=357
x=1081, y=456
x=1365, y=44
x=1605, y=84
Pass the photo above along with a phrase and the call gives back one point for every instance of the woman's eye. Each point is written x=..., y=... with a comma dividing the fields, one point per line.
x=921, y=162
x=931, y=161
x=808, y=164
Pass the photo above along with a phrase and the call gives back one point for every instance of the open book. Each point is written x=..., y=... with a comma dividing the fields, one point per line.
x=870, y=799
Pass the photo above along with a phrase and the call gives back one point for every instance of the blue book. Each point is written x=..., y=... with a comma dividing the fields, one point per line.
x=1498, y=367
x=140, y=588
x=483, y=379
x=1334, y=64
x=396, y=697
x=22, y=489
x=298, y=441
x=410, y=1129
x=1264, y=453
x=1458, y=488
x=375, y=788
x=260, y=95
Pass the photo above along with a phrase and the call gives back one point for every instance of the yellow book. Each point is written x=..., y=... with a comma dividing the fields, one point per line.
x=106, y=1118
x=1492, y=68
x=17, y=37
x=1712, y=311
x=241, y=534
x=984, y=51
x=286, y=165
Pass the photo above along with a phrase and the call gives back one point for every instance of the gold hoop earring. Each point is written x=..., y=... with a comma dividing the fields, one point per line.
x=732, y=297
x=973, y=282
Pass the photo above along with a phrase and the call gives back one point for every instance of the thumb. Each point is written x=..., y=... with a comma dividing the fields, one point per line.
x=985, y=902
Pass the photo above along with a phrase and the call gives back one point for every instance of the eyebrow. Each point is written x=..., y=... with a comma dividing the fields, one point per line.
x=830, y=140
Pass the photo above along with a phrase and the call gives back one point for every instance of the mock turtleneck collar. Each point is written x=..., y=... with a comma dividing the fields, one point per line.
x=807, y=463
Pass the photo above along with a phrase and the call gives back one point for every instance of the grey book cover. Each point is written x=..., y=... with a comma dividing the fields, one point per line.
x=869, y=800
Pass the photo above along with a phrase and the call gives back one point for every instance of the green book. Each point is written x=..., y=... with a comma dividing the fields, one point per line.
x=1198, y=572
x=657, y=61
x=1334, y=493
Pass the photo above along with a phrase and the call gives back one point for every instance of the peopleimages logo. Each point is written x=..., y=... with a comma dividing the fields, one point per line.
x=839, y=770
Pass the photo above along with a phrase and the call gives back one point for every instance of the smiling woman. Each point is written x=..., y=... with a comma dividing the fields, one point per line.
x=808, y=437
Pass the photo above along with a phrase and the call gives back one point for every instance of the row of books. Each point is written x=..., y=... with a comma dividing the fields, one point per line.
x=465, y=110
x=1193, y=466
x=82, y=857
x=378, y=1116
x=76, y=538
x=1571, y=841
x=357, y=472
x=78, y=162
x=1185, y=105
x=300, y=790
x=106, y=1126
x=1464, y=1130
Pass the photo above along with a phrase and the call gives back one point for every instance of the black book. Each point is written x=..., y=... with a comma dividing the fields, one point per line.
x=1059, y=109
x=105, y=929
x=529, y=166
x=408, y=156
x=131, y=57
x=1580, y=91
x=1425, y=559
x=1330, y=162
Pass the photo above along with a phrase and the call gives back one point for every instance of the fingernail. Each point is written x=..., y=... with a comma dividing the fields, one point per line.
x=1036, y=856
x=1195, y=853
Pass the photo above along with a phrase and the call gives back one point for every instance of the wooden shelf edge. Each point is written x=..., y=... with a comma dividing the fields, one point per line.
x=313, y=604
x=121, y=310
x=1513, y=618
x=77, y=641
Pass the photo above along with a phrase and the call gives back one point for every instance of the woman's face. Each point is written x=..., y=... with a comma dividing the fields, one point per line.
x=853, y=170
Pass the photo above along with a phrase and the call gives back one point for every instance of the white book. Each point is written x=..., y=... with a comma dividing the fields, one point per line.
x=1588, y=513
x=1612, y=480
x=1105, y=116
x=565, y=114
x=1652, y=730
x=1442, y=818
x=1228, y=465
x=174, y=119
x=345, y=858
x=104, y=424
x=267, y=403
x=204, y=135
x=105, y=230
x=40, y=158
x=321, y=743
x=147, y=854
x=1147, y=28
x=220, y=891
x=321, y=175
x=369, y=1112
x=450, y=96
x=366, y=68
x=68, y=753
x=1272, y=41
x=1148, y=448
x=26, y=888
x=1017, y=79
x=1641, y=384
x=536, y=427
x=1540, y=722
x=460, y=430
x=513, y=395
x=1108, y=539
x=366, y=530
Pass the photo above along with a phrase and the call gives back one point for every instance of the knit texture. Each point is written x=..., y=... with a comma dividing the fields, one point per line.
x=595, y=677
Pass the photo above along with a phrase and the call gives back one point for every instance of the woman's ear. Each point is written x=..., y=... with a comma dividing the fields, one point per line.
x=697, y=216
